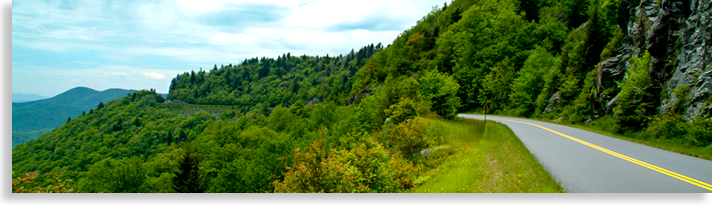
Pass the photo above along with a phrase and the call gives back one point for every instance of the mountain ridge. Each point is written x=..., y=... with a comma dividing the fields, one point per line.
x=36, y=117
x=20, y=97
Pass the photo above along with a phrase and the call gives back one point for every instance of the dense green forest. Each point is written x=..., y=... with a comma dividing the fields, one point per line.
x=267, y=82
x=348, y=123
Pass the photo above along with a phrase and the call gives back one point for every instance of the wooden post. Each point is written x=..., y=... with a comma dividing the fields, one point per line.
x=485, y=114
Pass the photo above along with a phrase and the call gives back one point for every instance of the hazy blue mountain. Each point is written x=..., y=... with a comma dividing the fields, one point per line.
x=19, y=97
x=37, y=117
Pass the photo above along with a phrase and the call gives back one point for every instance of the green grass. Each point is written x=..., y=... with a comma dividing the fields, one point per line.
x=482, y=159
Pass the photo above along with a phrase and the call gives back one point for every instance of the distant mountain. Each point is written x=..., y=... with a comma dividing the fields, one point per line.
x=44, y=115
x=19, y=97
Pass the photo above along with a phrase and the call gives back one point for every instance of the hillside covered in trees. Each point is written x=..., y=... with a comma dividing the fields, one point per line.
x=637, y=67
x=31, y=119
x=348, y=123
x=267, y=82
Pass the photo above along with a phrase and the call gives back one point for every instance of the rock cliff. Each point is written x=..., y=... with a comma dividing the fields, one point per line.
x=677, y=34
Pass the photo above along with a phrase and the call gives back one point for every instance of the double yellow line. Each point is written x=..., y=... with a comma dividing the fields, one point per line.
x=627, y=158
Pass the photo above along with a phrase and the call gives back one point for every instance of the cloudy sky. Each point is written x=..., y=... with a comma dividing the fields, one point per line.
x=58, y=45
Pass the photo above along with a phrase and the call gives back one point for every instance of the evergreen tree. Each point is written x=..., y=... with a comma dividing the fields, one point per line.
x=188, y=179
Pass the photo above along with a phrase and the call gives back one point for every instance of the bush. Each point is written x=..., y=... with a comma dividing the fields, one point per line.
x=408, y=138
x=675, y=127
x=402, y=111
x=364, y=166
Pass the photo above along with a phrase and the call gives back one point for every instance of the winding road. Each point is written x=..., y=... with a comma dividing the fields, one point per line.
x=583, y=161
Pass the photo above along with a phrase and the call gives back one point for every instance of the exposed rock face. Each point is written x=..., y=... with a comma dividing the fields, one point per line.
x=360, y=95
x=693, y=69
x=677, y=34
x=314, y=100
x=554, y=102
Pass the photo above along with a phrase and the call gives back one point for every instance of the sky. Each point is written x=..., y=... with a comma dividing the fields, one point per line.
x=59, y=45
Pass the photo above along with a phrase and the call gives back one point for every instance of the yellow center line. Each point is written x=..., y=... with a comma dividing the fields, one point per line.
x=627, y=158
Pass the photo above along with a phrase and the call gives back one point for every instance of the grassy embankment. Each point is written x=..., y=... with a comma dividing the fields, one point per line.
x=487, y=159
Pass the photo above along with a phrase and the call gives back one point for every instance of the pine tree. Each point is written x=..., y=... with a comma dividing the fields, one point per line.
x=101, y=105
x=188, y=179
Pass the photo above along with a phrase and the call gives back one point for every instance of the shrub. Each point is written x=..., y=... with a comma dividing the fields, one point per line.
x=364, y=166
x=675, y=127
x=408, y=138
x=402, y=111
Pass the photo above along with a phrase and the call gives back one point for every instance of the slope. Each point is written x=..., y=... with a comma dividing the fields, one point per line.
x=30, y=117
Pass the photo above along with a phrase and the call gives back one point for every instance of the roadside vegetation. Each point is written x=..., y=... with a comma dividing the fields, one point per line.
x=485, y=160
x=672, y=134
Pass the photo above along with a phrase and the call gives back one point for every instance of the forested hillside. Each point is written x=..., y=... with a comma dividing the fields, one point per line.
x=267, y=82
x=350, y=123
x=31, y=119
x=637, y=67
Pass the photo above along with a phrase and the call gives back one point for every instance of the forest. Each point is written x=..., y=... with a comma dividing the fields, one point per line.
x=350, y=123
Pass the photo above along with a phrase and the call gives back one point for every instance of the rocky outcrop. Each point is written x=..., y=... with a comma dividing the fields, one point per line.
x=360, y=95
x=677, y=34
x=554, y=102
x=314, y=100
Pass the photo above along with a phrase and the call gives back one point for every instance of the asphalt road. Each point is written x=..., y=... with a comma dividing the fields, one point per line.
x=583, y=161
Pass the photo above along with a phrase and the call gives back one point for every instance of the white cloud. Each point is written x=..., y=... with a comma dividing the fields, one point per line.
x=75, y=80
x=154, y=75
x=161, y=38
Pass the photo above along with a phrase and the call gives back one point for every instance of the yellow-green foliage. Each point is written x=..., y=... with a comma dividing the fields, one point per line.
x=403, y=110
x=32, y=182
x=364, y=167
x=409, y=138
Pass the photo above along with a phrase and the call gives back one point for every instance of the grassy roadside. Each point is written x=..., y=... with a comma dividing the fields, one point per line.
x=487, y=159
